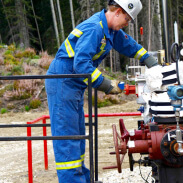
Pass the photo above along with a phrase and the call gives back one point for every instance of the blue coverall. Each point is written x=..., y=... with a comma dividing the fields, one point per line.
x=80, y=53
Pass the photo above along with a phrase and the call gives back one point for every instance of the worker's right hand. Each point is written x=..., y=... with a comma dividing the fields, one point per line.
x=115, y=89
x=109, y=86
x=150, y=62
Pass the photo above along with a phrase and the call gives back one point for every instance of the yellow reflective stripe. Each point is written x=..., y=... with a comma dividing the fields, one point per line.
x=69, y=165
x=83, y=157
x=101, y=24
x=77, y=32
x=69, y=49
x=98, y=55
x=101, y=52
x=94, y=76
x=140, y=53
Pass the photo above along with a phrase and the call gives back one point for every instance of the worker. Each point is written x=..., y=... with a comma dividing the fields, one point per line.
x=81, y=53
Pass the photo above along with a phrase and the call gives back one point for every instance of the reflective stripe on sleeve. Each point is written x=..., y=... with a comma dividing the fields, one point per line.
x=94, y=76
x=98, y=55
x=69, y=49
x=77, y=32
x=140, y=53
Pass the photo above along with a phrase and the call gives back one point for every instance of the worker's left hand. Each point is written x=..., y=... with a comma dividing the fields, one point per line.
x=115, y=89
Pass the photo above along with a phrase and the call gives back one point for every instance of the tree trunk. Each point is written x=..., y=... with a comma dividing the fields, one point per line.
x=9, y=25
x=98, y=5
x=61, y=21
x=149, y=23
x=178, y=12
x=88, y=8
x=159, y=26
x=72, y=14
x=55, y=23
x=22, y=24
x=37, y=27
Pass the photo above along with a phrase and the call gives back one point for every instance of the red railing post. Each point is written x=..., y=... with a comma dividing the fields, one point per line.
x=29, y=151
x=45, y=146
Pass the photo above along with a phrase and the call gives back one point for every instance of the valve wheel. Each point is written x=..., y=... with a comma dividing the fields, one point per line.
x=118, y=149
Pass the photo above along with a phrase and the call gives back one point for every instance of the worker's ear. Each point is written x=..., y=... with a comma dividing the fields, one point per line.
x=118, y=12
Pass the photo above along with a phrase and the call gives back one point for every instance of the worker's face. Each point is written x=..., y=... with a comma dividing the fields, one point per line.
x=121, y=20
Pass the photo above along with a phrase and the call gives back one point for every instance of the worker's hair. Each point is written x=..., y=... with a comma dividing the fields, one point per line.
x=113, y=8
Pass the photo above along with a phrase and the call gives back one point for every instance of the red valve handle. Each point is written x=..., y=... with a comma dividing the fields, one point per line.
x=124, y=133
x=119, y=149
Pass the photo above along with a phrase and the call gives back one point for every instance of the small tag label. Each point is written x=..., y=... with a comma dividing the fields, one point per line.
x=103, y=41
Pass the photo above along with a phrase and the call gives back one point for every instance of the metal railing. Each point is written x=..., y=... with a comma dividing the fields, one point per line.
x=76, y=137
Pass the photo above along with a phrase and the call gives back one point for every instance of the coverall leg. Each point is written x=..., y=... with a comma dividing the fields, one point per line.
x=65, y=101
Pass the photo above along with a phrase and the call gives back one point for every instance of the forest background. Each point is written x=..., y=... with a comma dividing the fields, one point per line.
x=44, y=24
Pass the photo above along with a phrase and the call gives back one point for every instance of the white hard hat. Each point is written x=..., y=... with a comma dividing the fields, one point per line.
x=132, y=7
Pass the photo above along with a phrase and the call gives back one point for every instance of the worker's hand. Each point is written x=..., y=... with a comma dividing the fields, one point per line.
x=150, y=62
x=109, y=86
x=115, y=88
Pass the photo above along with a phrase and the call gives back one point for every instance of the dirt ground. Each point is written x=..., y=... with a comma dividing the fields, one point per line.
x=13, y=155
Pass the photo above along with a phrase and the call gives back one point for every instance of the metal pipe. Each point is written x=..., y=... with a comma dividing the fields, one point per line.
x=96, y=138
x=116, y=114
x=90, y=130
x=166, y=31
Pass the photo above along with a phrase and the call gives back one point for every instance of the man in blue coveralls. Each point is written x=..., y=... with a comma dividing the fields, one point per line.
x=81, y=53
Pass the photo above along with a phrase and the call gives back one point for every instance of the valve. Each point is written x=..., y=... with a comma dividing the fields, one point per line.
x=119, y=149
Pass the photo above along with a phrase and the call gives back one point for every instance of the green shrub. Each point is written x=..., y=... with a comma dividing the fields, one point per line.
x=29, y=53
x=7, y=52
x=19, y=54
x=101, y=102
x=12, y=47
x=3, y=110
x=36, y=57
x=11, y=106
x=35, y=103
x=10, y=59
x=27, y=108
x=17, y=70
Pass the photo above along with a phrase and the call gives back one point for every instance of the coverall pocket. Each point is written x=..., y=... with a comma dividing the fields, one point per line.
x=51, y=86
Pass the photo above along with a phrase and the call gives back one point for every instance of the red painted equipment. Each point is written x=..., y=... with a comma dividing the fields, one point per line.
x=157, y=141
x=141, y=31
x=130, y=89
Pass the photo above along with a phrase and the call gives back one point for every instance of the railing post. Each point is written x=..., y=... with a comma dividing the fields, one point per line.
x=29, y=151
x=45, y=146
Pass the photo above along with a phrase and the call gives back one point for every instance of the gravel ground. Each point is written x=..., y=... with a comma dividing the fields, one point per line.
x=13, y=155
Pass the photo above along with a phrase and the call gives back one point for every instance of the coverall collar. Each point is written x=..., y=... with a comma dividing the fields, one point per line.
x=107, y=31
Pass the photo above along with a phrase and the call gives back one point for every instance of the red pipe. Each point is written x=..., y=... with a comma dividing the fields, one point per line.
x=45, y=146
x=29, y=150
x=93, y=115
x=116, y=114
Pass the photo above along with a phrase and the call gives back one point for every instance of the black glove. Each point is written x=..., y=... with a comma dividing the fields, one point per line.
x=109, y=86
x=150, y=62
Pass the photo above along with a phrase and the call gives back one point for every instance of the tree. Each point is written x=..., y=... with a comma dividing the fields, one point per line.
x=37, y=26
x=61, y=21
x=55, y=23
x=22, y=23
x=72, y=14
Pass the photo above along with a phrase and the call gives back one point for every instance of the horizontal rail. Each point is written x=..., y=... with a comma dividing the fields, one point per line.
x=31, y=123
x=24, y=125
x=116, y=114
x=77, y=137
x=44, y=76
